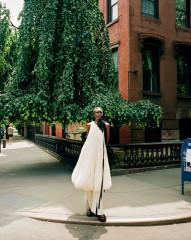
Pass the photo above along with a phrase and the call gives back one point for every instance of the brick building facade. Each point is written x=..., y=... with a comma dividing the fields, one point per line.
x=151, y=45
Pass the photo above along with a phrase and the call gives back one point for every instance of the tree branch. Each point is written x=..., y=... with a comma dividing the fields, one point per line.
x=14, y=25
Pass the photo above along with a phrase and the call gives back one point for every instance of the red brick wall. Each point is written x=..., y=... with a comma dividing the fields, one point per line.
x=45, y=129
x=50, y=131
x=124, y=134
x=59, y=131
x=119, y=33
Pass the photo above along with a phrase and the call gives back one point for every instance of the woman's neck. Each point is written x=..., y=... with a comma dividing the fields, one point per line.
x=97, y=121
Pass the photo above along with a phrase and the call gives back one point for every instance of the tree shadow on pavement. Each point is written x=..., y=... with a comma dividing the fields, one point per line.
x=84, y=232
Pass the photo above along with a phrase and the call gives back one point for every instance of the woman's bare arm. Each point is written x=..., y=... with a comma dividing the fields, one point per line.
x=108, y=131
x=88, y=128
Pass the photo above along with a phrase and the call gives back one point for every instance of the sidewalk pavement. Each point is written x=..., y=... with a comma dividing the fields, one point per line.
x=36, y=185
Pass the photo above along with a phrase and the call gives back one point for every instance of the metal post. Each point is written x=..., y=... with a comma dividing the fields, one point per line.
x=4, y=142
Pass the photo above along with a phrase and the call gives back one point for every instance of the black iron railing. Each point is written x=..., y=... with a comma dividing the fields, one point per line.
x=66, y=149
x=121, y=155
x=145, y=154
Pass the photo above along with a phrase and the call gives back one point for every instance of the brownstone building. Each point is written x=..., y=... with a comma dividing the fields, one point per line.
x=151, y=45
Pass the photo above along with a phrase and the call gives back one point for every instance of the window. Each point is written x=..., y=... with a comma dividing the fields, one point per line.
x=112, y=10
x=150, y=8
x=53, y=130
x=153, y=134
x=64, y=132
x=184, y=128
x=184, y=74
x=183, y=13
x=151, y=68
x=115, y=62
x=114, y=136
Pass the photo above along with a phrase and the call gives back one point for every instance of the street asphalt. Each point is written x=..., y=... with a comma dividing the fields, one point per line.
x=36, y=185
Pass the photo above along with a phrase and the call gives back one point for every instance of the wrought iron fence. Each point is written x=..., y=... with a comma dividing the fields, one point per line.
x=145, y=154
x=66, y=149
x=135, y=155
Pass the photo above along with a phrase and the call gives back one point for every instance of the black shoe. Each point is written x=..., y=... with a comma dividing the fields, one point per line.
x=102, y=218
x=90, y=213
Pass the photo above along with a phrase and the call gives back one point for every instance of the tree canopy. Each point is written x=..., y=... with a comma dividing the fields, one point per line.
x=8, y=39
x=64, y=68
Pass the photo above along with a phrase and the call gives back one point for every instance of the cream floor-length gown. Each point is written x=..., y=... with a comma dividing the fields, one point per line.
x=92, y=167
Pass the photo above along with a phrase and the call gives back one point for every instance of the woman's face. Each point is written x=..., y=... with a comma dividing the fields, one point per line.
x=98, y=114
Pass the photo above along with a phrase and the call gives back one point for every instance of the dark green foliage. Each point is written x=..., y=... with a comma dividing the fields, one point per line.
x=8, y=40
x=64, y=68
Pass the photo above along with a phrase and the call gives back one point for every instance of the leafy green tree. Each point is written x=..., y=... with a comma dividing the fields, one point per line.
x=64, y=67
x=8, y=57
x=7, y=46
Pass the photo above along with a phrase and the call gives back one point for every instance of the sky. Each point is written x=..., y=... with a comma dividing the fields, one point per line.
x=15, y=7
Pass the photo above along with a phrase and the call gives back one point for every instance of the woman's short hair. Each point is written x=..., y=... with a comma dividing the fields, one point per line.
x=95, y=109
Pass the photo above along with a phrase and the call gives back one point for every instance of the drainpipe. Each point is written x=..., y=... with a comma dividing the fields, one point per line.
x=130, y=71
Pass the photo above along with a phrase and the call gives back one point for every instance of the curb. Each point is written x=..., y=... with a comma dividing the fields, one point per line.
x=83, y=220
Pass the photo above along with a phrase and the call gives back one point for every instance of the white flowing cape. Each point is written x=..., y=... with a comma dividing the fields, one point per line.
x=87, y=174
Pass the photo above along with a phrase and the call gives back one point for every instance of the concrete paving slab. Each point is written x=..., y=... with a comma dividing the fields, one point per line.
x=131, y=184
x=43, y=192
x=124, y=208
x=162, y=178
x=17, y=201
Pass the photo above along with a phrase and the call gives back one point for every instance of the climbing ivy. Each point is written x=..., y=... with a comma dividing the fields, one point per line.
x=64, y=68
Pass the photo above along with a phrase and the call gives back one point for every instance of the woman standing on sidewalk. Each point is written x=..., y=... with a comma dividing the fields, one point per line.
x=92, y=172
